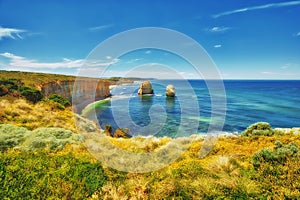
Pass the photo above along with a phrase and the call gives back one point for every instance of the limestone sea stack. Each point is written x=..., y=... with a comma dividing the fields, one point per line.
x=170, y=91
x=145, y=88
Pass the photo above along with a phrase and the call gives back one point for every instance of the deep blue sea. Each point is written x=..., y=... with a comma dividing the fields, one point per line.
x=246, y=102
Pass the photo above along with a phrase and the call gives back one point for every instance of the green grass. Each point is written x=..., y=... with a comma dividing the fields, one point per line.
x=32, y=79
x=42, y=156
x=258, y=167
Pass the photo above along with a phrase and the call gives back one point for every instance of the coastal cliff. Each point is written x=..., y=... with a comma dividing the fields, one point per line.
x=83, y=88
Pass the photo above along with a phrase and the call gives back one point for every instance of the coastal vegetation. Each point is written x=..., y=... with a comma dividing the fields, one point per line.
x=43, y=156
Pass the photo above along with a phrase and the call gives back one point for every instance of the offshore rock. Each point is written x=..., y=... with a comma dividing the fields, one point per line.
x=170, y=91
x=145, y=88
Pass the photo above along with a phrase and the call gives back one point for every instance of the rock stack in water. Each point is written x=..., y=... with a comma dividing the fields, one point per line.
x=170, y=91
x=145, y=88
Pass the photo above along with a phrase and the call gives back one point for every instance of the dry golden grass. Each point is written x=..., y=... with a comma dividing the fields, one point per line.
x=31, y=79
x=31, y=116
x=227, y=172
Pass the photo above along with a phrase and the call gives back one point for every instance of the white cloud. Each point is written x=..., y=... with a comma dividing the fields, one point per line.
x=261, y=7
x=100, y=28
x=134, y=60
x=10, y=33
x=21, y=63
x=217, y=29
x=148, y=52
x=269, y=73
x=298, y=34
x=278, y=74
x=217, y=46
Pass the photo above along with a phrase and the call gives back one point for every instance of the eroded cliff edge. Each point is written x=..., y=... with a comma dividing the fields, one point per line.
x=83, y=89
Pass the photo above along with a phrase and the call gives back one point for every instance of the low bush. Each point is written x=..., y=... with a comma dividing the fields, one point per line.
x=59, y=99
x=32, y=95
x=279, y=155
x=15, y=87
x=258, y=129
x=50, y=139
x=11, y=136
x=278, y=171
x=8, y=86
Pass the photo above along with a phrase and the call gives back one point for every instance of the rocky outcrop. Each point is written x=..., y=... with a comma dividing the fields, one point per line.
x=83, y=89
x=170, y=91
x=122, y=133
x=145, y=88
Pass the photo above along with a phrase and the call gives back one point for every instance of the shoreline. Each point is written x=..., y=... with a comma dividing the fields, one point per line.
x=93, y=105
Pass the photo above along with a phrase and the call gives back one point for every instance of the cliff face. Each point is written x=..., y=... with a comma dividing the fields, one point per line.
x=84, y=89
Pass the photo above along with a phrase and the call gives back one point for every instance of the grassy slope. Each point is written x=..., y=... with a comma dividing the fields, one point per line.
x=18, y=111
x=31, y=79
x=69, y=173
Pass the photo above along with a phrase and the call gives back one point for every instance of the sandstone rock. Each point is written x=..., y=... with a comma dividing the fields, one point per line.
x=108, y=130
x=145, y=88
x=170, y=91
x=84, y=89
x=122, y=133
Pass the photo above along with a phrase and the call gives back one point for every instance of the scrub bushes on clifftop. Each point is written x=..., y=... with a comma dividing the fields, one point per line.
x=8, y=86
x=32, y=95
x=279, y=155
x=50, y=139
x=258, y=129
x=278, y=171
x=11, y=136
x=15, y=87
x=59, y=99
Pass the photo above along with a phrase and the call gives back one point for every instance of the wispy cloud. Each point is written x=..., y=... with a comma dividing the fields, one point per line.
x=217, y=46
x=298, y=34
x=21, y=63
x=261, y=7
x=134, y=60
x=11, y=33
x=148, y=52
x=289, y=65
x=100, y=28
x=278, y=74
x=218, y=29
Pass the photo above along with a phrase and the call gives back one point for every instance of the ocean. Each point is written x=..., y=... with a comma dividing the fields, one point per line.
x=246, y=102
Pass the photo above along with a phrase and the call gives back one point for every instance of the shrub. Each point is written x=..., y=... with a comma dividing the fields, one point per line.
x=8, y=86
x=32, y=95
x=258, y=129
x=277, y=171
x=3, y=90
x=51, y=139
x=279, y=155
x=11, y=136
x=59, y=99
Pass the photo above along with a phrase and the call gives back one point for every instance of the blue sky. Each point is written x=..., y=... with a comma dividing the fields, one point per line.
x=257, y=39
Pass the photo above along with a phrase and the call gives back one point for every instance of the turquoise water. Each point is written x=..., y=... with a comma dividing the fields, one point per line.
x=247, y=102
